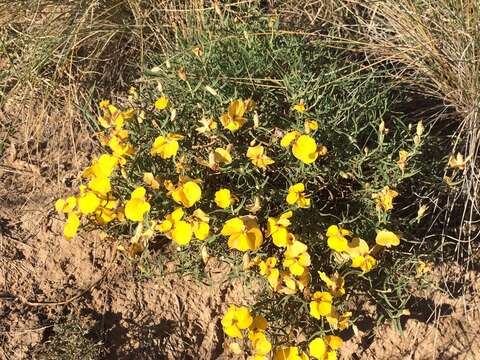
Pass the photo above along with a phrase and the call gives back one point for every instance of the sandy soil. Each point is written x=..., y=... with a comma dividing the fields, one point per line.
x=44, y=280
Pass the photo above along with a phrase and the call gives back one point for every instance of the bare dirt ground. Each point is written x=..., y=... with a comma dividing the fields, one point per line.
x=45, y=279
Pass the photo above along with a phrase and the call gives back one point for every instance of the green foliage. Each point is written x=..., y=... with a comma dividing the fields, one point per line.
x=360, y=122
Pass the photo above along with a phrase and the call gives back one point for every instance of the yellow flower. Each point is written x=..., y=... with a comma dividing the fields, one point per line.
x=112, y=116
x=132, y=93
x=258, y=157
x=120, y=149
x=277, y=228
x=336, y=238
x=325, y=349
x=187, y=192
x=243, y=232
x=337, y=321
x=290, y=284
x=88, y=203
x=310, y=125
x=175, y=228
x=321, y=304
x=101, y=167
x=224, y=198
x=457, y=162
x=289, y=353
x=335, y=284
x=296, y=261
x=296, y=195
x=71, y=226
x=106, y=213
x=359, y=252
x=300, y=107
x=384, y=198
x=104, y=104
x=259, y=324
x=150, y=180
x=423, y=267
x=260, y=344
x=181, y=232
x=101, y=185
x=305, y=149
x=166, y=146
x=200, y=226
x=233, y=119
x=235, y=320
x=268, y=269
x=207, y=125
x=365, y=262
x=387, y=238
x=66, y=205
x=167, y=224
x=137, y=206
x=288, y=138
x=161, y=103
x=403, y=156
x=222, y=156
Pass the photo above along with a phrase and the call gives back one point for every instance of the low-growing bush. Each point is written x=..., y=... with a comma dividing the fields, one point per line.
x=289, y=158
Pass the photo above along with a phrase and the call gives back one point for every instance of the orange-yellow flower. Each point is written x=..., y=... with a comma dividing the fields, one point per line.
x=359, y=251
x=296, y=259
x=112, y=116
x=289, y=353
x=269, y=270
x=200, y=227
x=300, y=107
x=296, y=195
x=137, y=206
x=321, y=304
x=325, y=348
x=387, y=238
x=235, y=320
x=161, y=103
x=258, y=157
x=336, y=238
x=224, y=198
x=339, y=321
x=384, y=198
x=66, y=205
x=166, y=146
x=71, y=226
x=304, y=147
x=187, y=192
x=243, y=233
x=88, y=202
x=175, y=228
x=277, y=228
x=233, y=119
x=335, y=283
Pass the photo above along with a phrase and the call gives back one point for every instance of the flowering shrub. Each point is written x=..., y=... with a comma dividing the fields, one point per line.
x=292, y=171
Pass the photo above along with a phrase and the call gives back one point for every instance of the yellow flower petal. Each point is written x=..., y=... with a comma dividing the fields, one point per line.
x=317, y=348
x=161, y=103
x=223, y=198
x=387, y=238
x=182, y=232
x=88, y=203
x=305, y=149
x=288, y=138
x=71, y=226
